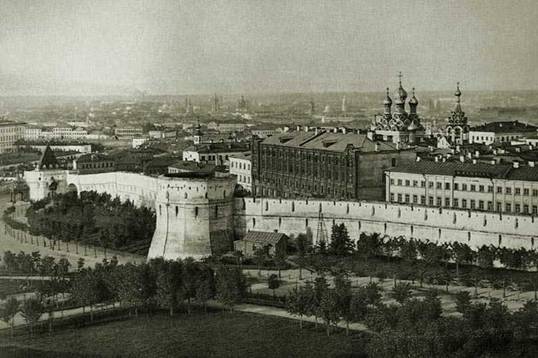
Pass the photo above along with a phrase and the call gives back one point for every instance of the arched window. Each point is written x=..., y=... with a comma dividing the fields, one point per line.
x=177, y=210
x=253, y=222
x=216, y=210
x=196, y=211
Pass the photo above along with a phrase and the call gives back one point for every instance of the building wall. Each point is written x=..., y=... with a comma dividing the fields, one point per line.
x=435, y=224
x=241, y=168
x=9, y=134
x=499, y=195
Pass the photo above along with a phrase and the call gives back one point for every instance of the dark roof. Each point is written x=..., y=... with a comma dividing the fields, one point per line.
x=189, y=166
x=337, y=142
x=264, y=237
x=505, y=127
x=483, y=170
x=48, y=159
x=94, y=157
x=219, y=148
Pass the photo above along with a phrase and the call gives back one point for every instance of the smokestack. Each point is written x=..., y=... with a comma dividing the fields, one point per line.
x=515, y=165
x=531, y=164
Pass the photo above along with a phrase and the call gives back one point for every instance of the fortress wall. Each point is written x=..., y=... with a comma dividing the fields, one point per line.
x=137, y=188
x=434, y=224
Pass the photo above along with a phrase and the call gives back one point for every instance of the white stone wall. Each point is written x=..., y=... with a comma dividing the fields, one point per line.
x=434, y=224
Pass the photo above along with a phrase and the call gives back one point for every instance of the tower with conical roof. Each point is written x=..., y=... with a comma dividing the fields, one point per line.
x=457, y=129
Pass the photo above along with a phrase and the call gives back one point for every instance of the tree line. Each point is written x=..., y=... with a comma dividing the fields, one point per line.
x=415, y=327
x=92, y=218
x=157, y=284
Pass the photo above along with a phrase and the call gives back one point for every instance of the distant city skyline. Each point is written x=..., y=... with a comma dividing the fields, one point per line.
x=201, y=47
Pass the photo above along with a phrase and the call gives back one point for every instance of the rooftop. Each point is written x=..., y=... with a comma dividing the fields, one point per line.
x=505, y=127
x=483, y=170
x=337, y=142
x=264, y=237
x=218, y=147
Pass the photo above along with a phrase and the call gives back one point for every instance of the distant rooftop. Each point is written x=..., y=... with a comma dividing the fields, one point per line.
x=482, y=170
x=505, y=127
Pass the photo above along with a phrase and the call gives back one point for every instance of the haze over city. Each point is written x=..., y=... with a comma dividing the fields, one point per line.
x=201, y=47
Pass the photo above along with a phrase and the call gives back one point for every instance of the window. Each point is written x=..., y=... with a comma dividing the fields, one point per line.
x=526, y=192
x=456, y=202
x=517, y=208
x=392, y=182
x=499, y=206
x=518, y=191
x=430, y=184
x=399, y=198
x=439, y=186
x=534, y=192
x=534, y=209
x=490, y=206
x=407, y=198
x=406, y=182
x=525, y=209
x=415, y=183
x=508, y=190
x=415, y=199
x=473, y=204
x=456, y=186
x=499, y=190
x=430, y=200
x=508, y=207
x=481, y=188
x=473, y=187
x=393, y=162
x=391, y=197
x=481, y=204
x=422, y=200
x=490, y=188
x=464, y=203
x=464, y=187
x=439, y=201
x=447, y=186
x=422, y=184
x=400, y=182
x=447, y=202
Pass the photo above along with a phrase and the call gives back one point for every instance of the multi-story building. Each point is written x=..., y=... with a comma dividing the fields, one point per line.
x=214, y=153
x=240, y=166
x=335, y=165
x=475, y=186
x=128, y=133
x=68, y=133
x=500, y=132
x=94, y=163
x=10, y=132
x=32, y=133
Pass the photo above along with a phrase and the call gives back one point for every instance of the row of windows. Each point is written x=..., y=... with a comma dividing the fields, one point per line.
x=464, y=187
x=239, y=165
x=244, y=178
x=464, y=204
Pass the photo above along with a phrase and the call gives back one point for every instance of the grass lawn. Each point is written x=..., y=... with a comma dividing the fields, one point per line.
x=215, y=334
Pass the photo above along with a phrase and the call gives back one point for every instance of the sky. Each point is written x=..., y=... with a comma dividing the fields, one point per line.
x=253, y=46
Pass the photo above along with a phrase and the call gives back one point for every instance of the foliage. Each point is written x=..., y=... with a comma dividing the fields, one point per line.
x=92, y=218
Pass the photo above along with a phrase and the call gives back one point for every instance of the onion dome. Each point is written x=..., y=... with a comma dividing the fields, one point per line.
x=413, y=101
x=458, y=98
x=401, y=93
x=387, y=100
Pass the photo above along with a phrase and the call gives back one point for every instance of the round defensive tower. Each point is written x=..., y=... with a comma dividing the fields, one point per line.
x=194, y=215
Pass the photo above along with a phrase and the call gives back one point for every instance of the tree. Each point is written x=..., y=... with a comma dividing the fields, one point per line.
x=169, y=283
x=8, y=312
x=204, y=291
x=328, y=309
x=260, y=255
x=280, y=261
x=463, y=301
x=401, y=292
x=372, y=293
x=368, y=246
x=340, y=243
x=461, y=253
x=231, y=286
x=296, y=304
x=63, y=266
x=31, y=311
x=342, y=288
x=273, y=283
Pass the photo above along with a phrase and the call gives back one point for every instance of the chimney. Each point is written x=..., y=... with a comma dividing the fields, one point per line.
x=316, y=131
x=436, y=159
x=462, y=158
x=531, y=164
x=457, y=148
x=344, y=131
x=469, y=155
x=298, y=128
x=306, y=128
x=477, y=153
x=335, y=129
x=515, y=165
x=418, y=159
x=370, y=135
x=444, y=160
x=376, y=147
x=474, y=161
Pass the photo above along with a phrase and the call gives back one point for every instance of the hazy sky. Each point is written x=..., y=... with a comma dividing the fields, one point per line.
x=178, y=47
